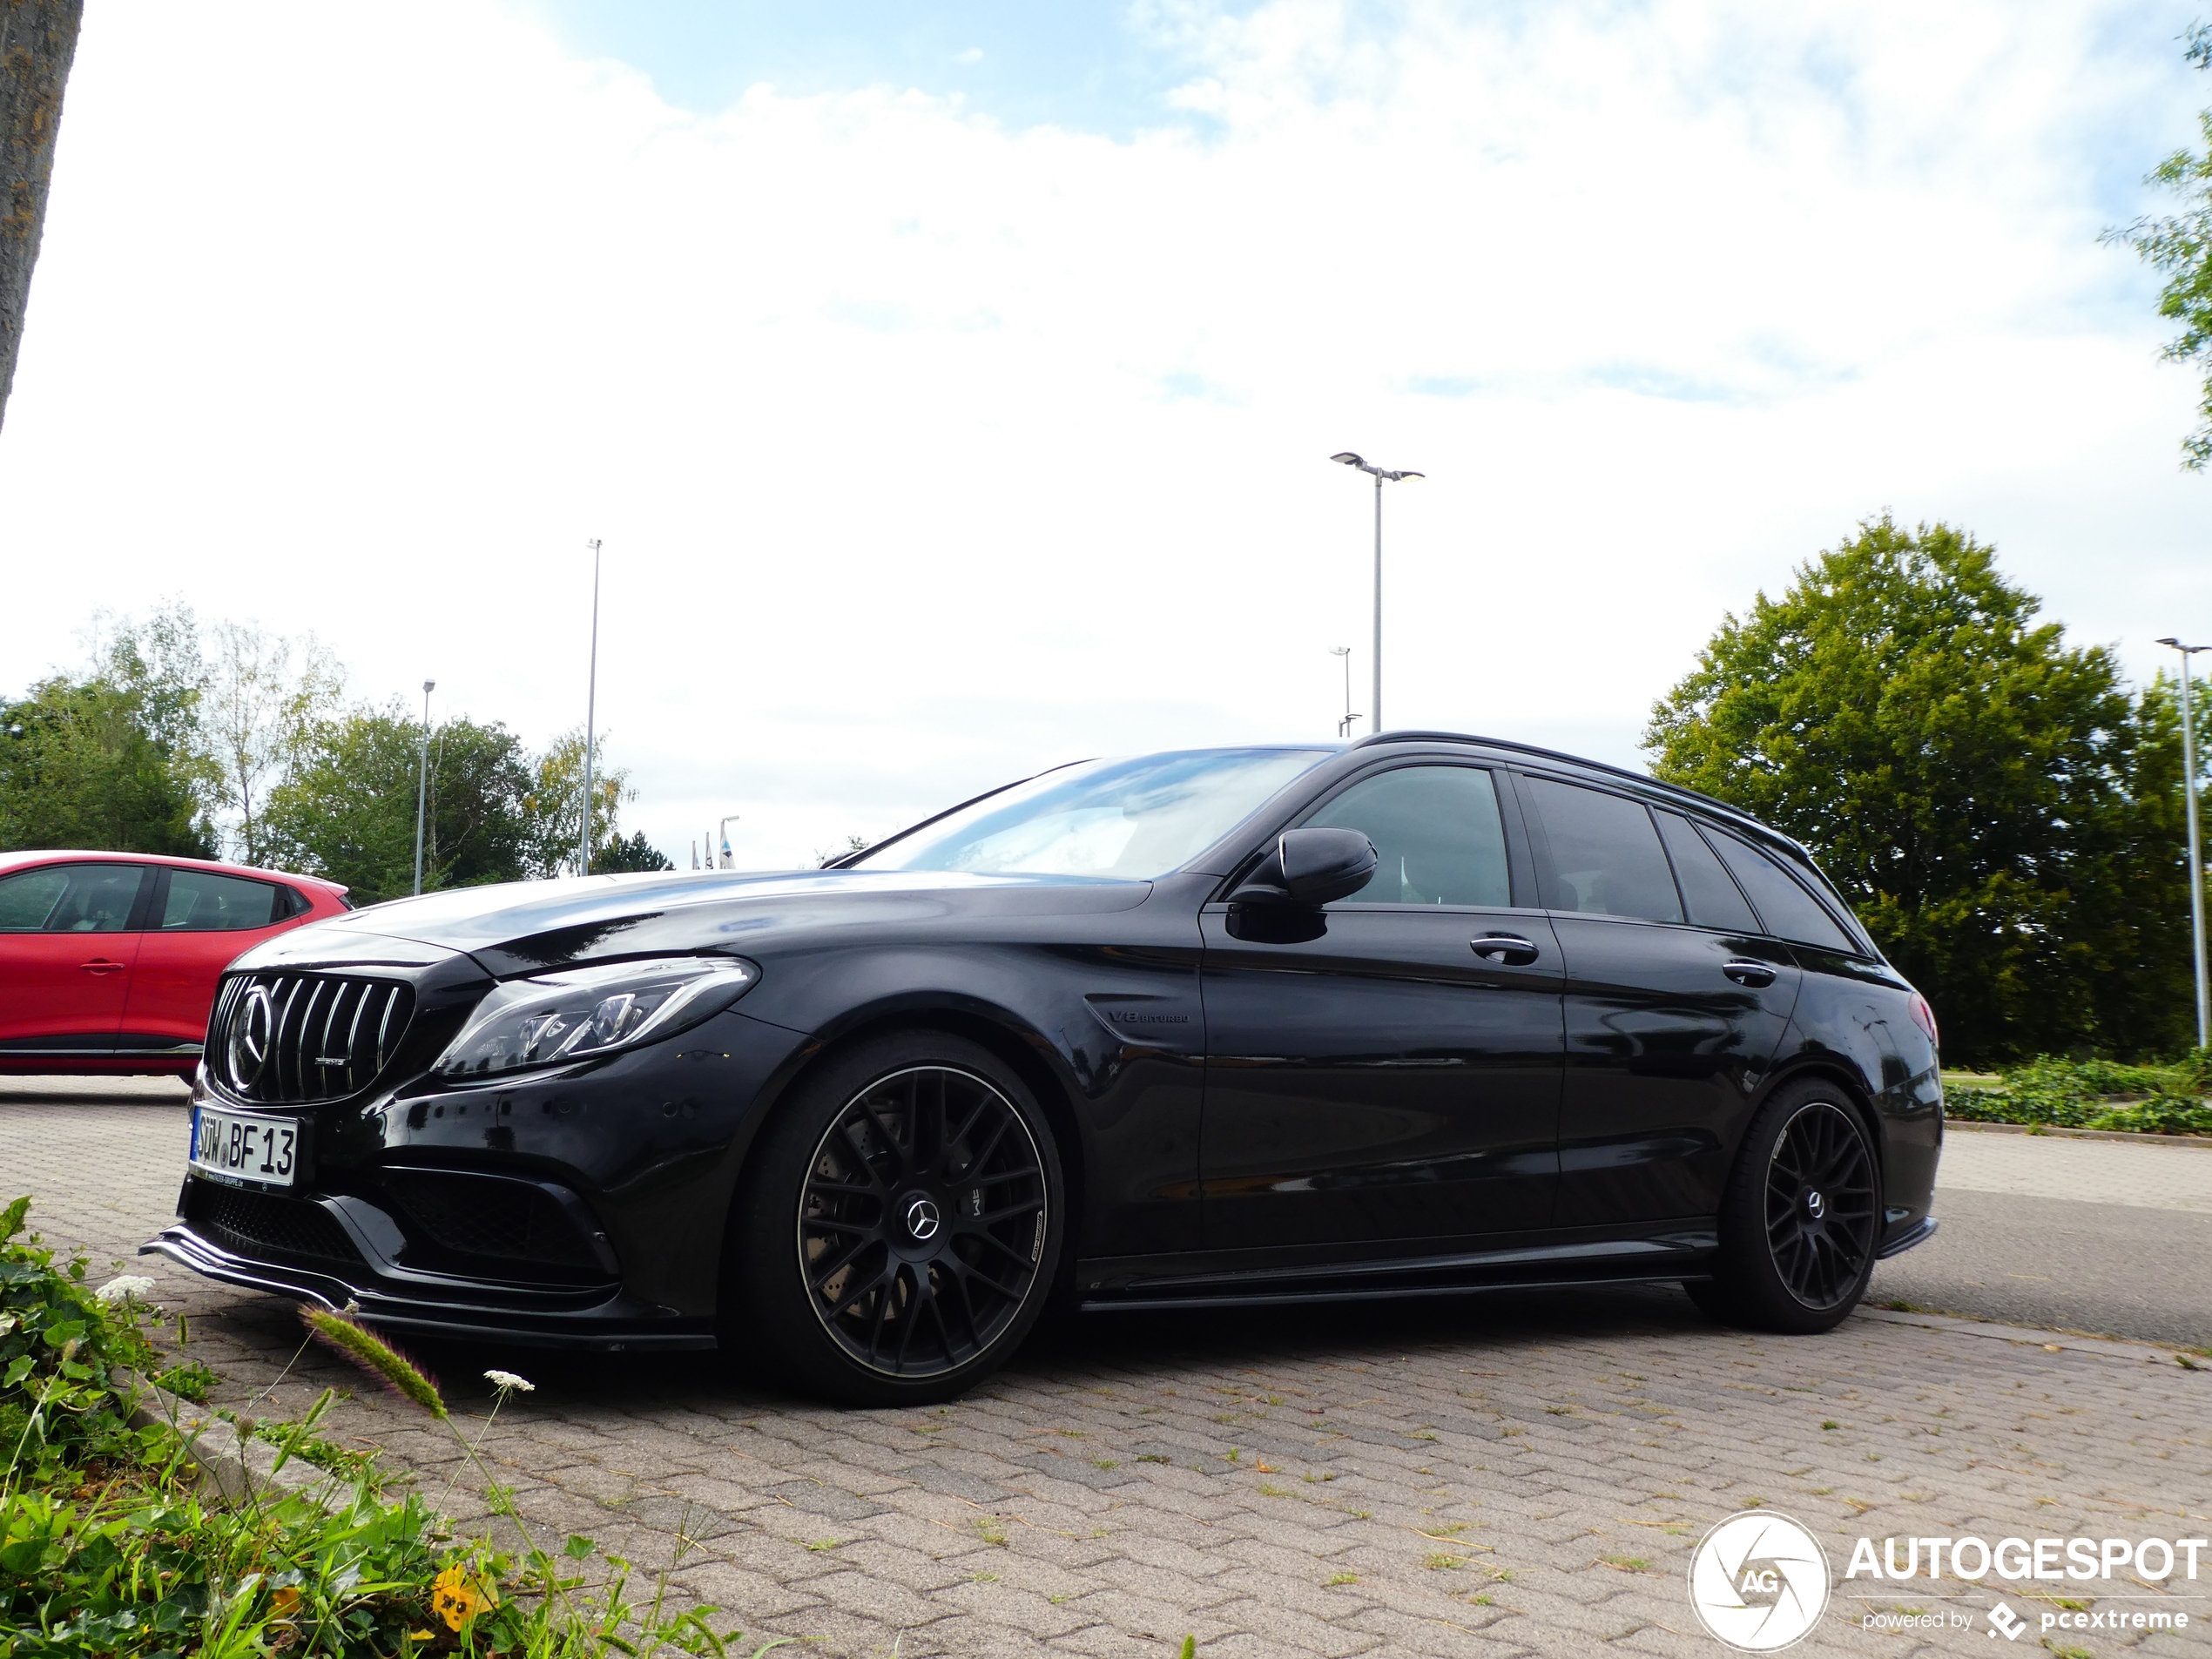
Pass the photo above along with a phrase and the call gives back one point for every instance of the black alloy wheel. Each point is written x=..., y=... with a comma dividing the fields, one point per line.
x=1820, y=1205
x=899, y=1231
x=1801, y=1218
x=922, y=1222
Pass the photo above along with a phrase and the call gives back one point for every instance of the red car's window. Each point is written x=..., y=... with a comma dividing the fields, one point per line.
x=68, y=898
x=201, y=901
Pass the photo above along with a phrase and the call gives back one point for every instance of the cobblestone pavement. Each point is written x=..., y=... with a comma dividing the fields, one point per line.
x=1488, y=1477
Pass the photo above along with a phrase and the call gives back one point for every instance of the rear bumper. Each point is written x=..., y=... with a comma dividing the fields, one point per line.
x=444, y=1307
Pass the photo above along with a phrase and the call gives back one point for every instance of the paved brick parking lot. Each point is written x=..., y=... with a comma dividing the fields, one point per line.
x=1492, y=1476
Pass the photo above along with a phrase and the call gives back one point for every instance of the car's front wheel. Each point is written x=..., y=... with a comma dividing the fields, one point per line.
x=901, y=1225
x=1800, y=1219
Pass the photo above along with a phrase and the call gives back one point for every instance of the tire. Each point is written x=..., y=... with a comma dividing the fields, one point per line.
x=900, y=1225
x=1800, y=1219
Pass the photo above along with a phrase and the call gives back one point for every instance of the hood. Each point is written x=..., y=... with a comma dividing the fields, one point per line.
x=527, y=927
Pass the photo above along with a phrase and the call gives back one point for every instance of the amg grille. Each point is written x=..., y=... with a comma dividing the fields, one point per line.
x=290, y=1038
x=252, y=1223
x=488, y=1217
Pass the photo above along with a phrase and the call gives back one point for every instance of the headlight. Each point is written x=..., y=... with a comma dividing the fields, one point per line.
x=552, y=1018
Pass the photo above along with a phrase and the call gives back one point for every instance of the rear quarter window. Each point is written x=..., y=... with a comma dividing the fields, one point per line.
x=1786, y=907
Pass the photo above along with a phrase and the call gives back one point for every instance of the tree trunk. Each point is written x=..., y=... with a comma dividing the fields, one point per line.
x=37, y=39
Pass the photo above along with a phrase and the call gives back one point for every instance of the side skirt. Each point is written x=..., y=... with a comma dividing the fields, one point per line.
x=1685, y=1254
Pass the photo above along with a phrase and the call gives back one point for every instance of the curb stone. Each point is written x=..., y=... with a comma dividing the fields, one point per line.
x=2103, y=1348
x=2056, y=1133
x=236, y=1471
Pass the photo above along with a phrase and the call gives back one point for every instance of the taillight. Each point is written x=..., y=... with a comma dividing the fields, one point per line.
x=1926, y=1016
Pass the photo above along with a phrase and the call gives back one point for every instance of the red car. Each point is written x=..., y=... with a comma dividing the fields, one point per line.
x=108, y=961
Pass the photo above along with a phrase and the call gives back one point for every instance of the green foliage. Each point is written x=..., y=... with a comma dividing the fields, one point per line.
x=107, y=1553
x=2179, y=247
x=635, y=854
x=2079, y=1094
x=58, y=1345
x=188, y=1379
x=2001, y=811
x=107, y=759
x=347, y=811
x=553, y=806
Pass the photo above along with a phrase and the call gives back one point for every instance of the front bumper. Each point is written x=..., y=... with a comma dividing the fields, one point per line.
x=444, y=1306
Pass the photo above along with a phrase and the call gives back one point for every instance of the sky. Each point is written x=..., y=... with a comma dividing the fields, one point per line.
x=952, y=387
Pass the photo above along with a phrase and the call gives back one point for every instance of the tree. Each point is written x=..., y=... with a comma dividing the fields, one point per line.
x=256, y=715
x=37, y=41
x=554, y=809
x=84, y=763
x=2000, y=810
x=347, y=809
x=635, y=854
x=2179, y=247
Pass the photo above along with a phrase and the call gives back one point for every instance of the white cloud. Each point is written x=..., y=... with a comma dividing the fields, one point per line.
x=927, y=452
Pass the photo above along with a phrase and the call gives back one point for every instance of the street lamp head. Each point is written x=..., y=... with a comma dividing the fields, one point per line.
x=2186, y=650
x=429, y=685
x=1347, y=458
x=1406, y=475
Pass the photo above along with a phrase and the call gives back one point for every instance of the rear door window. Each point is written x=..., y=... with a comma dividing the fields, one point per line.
x=200, y=901
x=1783, y=905
x=1606, y=860
x=1709, y=893
x=1439, y=837
x=69, y=898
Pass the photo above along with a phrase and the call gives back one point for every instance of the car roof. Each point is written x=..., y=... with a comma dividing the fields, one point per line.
x=29, y=856
x=1708, y=804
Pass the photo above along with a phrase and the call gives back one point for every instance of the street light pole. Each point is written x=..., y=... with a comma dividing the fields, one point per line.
x=1344, y=726
x=1347, y=458
x=590, y=719
x=422, y=782
x=2196, y=848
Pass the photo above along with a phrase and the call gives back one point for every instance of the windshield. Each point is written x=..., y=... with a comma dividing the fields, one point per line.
x=1128, y=819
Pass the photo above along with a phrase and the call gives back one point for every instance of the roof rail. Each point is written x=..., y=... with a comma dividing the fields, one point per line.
x=1561, y=754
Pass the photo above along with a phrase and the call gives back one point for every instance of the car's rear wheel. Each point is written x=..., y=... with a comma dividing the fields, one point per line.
x=1800, y=1219
x=901, y=1226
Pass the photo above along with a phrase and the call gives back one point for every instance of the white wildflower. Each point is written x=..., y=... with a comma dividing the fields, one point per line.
x=124, y=1288
x=508, y=1380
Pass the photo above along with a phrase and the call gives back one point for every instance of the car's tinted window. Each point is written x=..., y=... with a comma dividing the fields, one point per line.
x=1437, y=837
x=201, y=901
x=1711, y=897
x=1606, y=858
x=1786, y=907
x=69, y=898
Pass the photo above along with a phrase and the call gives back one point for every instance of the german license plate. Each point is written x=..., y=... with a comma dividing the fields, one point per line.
x=234, y=1146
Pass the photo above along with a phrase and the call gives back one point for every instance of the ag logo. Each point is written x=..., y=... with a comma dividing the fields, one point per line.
x=2009, y=1624
x=252, y=1035
x=1758, y=1581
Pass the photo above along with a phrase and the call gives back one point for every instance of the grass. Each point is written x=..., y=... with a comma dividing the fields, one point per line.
x=108, y=1546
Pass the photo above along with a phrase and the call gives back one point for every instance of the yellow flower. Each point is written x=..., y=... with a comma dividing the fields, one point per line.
x=457, y=1598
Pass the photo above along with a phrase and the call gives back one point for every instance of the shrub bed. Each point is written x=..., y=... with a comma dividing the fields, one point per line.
x=107, y=1548
x=2095, y=1093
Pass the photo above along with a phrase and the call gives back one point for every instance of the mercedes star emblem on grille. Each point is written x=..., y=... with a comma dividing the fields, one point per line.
x=253, y=1036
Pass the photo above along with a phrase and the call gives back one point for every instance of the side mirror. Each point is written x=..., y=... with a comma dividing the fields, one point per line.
x=1311, y=867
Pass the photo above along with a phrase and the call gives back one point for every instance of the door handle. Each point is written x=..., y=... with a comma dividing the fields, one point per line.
x=1510, y=949
x=101, y=965
x=1744, y=971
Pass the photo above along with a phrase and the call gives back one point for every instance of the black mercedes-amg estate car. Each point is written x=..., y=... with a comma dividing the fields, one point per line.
x=1424, y=1015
